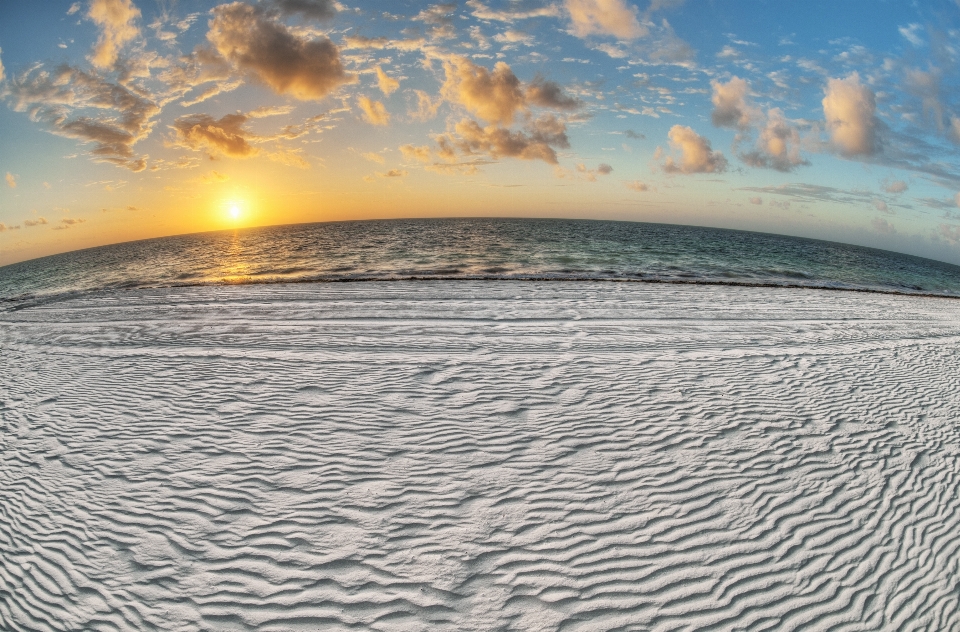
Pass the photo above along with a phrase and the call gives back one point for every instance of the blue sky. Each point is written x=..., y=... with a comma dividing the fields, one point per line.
x=124, y=120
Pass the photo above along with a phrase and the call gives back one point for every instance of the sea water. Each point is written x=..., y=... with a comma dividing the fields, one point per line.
x=472, y=248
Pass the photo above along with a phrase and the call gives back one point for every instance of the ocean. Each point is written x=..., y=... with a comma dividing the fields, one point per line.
x=475, y=248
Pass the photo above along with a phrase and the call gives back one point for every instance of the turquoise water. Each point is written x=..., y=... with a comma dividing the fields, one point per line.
x=475, y=248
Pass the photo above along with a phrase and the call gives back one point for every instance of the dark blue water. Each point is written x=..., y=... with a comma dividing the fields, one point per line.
x=475, y=248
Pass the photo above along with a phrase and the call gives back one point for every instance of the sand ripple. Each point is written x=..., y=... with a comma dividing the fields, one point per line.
x=481, y=456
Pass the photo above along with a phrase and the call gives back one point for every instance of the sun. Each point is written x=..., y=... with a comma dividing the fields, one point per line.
x=235, y=211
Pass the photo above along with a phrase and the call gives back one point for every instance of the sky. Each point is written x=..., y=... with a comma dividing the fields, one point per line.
x=125, y=119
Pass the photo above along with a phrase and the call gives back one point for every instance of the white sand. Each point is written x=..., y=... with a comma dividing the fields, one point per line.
x=481, y=456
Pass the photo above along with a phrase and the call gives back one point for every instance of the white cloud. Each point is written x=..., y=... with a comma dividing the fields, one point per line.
x=911, y=34
x=849, y=109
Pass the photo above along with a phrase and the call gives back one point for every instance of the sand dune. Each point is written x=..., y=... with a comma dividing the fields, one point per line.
x=481, y=456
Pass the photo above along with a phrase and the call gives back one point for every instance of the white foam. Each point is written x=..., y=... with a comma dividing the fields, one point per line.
x=480, y=456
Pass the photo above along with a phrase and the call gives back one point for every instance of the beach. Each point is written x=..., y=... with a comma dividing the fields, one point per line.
x=480, y=455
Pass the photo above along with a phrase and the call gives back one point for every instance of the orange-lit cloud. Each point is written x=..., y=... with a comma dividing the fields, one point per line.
x=11, y=180
x=374, y=112
x=512, y=13
x=2, y=71
x=536, y=143
x=696, y=155
x=604, y=17
x=117, y=22
x=426, y=106
x=591, y=174
x=495, y=96
x=498, y=96
x=268, y=51
x=778, y=146
x=67, y=222
x=416, y=153
x=385, y=82
x=40, y=221
x=849, y=109
x=226, y=136
x=637, y=186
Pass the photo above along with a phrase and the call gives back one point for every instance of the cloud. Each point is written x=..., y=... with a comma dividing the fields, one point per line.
x=11, y=180
x=591, y=174
x=514, y=37
x=756, y=200
x=497, y=96
x=2, y=71
x=272, y=53
x=778, y=142
x=393, y=173
x=513, y=13
x=426, y=106
x=214, y=177
x=440, y=16
x=386, y=83
x=116, y=19
x=632, y=134
x=604, y=17
x=538, y=142
x=74, y=8
x=696, y=155
x=67, y=222
x=40, y=221
x=4, y=227
x=316, y=9
x=730, y=107
x=374, y=157
x=778, y=145
x=416, y=153
x=882, y=226
x=881, y=206
x=637, y=186
x=226, y=136
x=910, y=33
x=849, y=109
x=550, y=95
x=85, y=107
x=897, y=186
x=494, y=96
x=374, y=112
x=950, y=233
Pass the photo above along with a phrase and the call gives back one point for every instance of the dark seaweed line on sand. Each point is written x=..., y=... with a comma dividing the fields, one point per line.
x=20, y=303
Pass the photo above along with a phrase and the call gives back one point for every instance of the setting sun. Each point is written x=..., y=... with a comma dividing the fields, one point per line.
x=234, y=211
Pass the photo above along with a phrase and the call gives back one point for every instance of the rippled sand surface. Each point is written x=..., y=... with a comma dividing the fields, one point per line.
x=481, y=456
